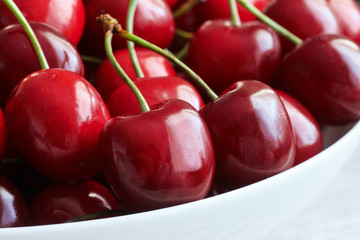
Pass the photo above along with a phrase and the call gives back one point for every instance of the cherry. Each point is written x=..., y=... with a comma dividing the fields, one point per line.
x=14, y=211
x=251, y=133
x=16, y=50
x=304, y=18
x=322, y=73
x=223, y=54
x=158, y=158
x=306, y=129
x=64, y=201
x=155, y=90
x=153, y=21
x=3, y=135
x=55, y=116
x=67, y=16
x=152, y=64
x=348, y=15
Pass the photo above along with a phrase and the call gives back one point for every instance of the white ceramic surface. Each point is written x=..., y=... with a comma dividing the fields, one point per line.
x=247, y=213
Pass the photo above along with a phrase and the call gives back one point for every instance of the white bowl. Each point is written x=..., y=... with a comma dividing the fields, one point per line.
x=247, y=213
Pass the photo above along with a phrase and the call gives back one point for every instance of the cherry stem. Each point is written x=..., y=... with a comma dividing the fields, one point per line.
x=235, y=18
x=30, y=33
x=185, y=7
x=183, y=52
x=116, y=28
x=109, y=52
x=183, y=34
x=268, y=21
x=91, y=59
x=97, y=215
x=130, y=45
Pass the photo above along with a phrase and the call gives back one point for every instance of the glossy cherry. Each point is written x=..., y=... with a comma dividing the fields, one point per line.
x=222, y=54
x=323, y=74
x=348, y=15
x=155, y=90
x=67, y=16
x=152, y=64
x=304, y=18
x=3, y=134
x=158, y=158
x=18, y=58
x=55, y=117
x=153, y=21
x=64, y=201
x=306, y=130
x=13, y=209
x=251, y=132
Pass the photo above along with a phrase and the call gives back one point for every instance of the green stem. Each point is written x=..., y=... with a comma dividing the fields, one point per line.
x=109, y=52
x=131, y=45
x=183, y=52
x=183, y=34
x=30, y=33
x=235, y=18
x=91, y=59
x=185, y=7
x=268, y=21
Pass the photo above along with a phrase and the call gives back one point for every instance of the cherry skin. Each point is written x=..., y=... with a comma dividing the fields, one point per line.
x=153, y=21
x=64, y=201
x=251, y=133
x=222, y=54
x=67, y=16
x=152, y=64
x=159, y=158
x=16, y=50
x=348, y=15
x=323, y=74
x=3, y=134
x=306, y=129
x=14, y=211
x=55, y=117
x=155, y=90
x=316, y=18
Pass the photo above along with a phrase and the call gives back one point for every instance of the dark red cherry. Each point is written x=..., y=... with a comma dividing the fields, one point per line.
x=222, y=54
x=18, y=58
x=251, y=132
x=306, y=130
x=153, y=21
x=13, y=209
x=158, y=158
x=55, y=117
x=64, y=201
x=67, y=16
x=155, y=90
x=304, y=18
x=323, y=74
x=348, y=15
x=152, y=64
x=3, y=135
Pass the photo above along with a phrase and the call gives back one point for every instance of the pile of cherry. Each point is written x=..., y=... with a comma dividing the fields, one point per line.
x=71, y=147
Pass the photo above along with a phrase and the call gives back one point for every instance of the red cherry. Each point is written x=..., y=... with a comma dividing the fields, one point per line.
x=153, y=21
x=64, y=201
x=155, y=90
x=222, y=54
x=304, y=18
x=3, y=134
x=251, y=133
x=16, y=50
x=158, y=158
x=67, y=16
x=348, y=15
x=14, y=211
x=55, y=117
x=152, y=64
x=306, y=129
x=323, y=74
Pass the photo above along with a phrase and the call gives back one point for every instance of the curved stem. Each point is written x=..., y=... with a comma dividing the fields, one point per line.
x=91, y=59
x=183, y=52
x=185, y=7
x=183, y=34
x=109, y=52
x=30, y=33
x=130, y=45
x=235, y=18
x=268, y=21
